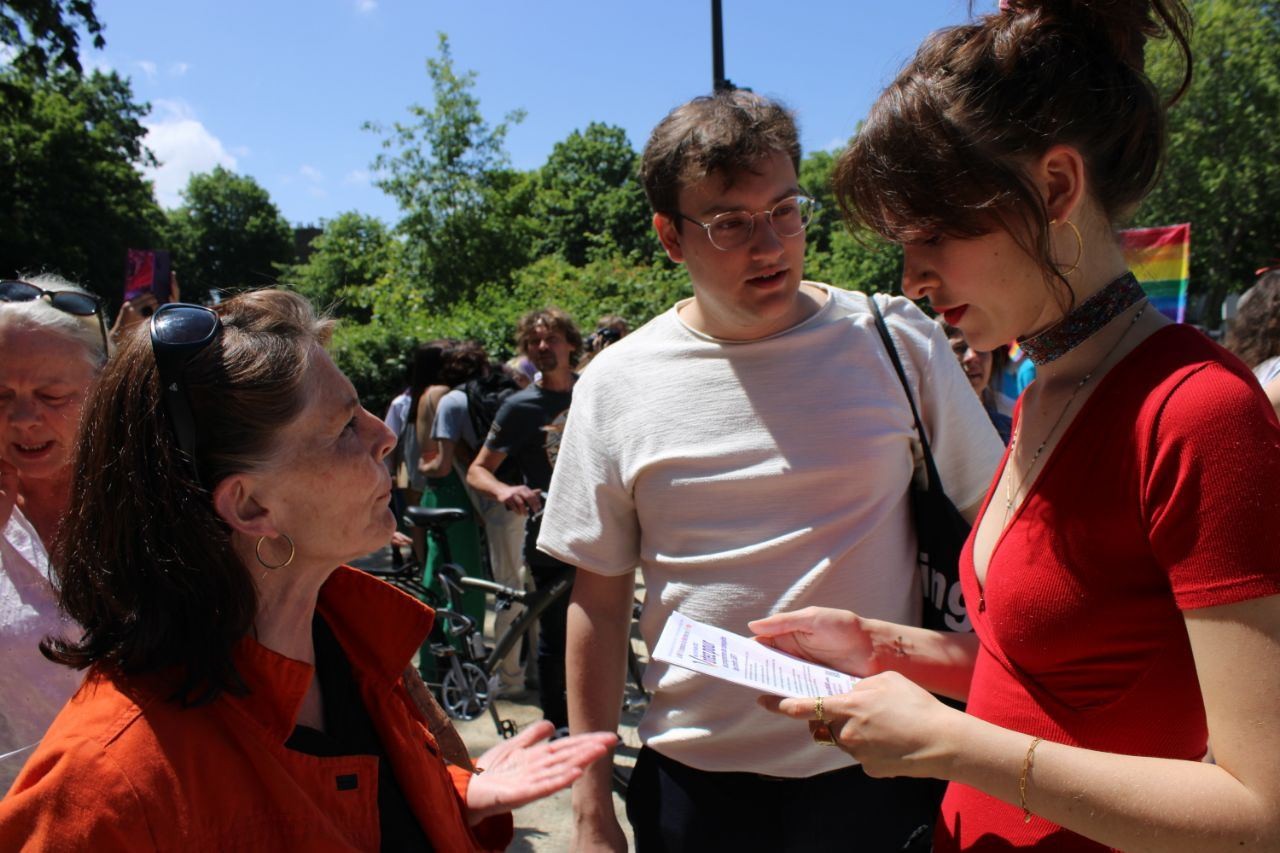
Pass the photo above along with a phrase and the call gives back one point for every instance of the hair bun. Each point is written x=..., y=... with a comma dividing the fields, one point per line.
x=1122, y=25
x=1125, y=25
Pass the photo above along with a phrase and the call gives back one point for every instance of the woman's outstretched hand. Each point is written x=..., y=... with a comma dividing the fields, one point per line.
x=835, y=638
x=529, y=767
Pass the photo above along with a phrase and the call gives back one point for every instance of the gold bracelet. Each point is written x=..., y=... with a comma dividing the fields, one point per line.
x=1027, y=764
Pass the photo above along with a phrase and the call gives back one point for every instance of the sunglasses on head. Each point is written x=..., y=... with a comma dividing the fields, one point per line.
x=68, y=301
x=178, y=332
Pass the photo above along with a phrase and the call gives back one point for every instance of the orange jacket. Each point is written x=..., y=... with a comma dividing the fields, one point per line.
x=125, y=768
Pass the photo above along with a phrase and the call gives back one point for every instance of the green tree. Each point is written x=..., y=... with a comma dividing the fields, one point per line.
x=227, y=234
x=588, y=202
x=72, y=198
x=1223, y=174
x=462, y=206
x=44, y=36
x=353, y=253
x=815, y=180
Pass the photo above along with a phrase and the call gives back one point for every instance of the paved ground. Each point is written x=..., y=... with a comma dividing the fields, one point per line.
x=546, y=825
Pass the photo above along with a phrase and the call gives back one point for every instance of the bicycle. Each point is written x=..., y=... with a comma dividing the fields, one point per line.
x=468, y=663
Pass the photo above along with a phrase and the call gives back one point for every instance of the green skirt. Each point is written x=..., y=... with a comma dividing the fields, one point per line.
x=464, y=543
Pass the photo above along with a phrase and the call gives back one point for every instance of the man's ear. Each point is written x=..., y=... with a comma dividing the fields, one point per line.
x=669, y=235
x=1061, y=176
x=234, y=502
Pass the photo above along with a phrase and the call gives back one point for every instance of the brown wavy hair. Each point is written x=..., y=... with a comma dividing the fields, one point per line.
x=143, y=562
x=1254, y=333
x=551, y=318
x=720, y=134
x=942, y=152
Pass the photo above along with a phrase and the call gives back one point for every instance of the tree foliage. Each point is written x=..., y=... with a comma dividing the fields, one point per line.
x=1223, y=173
x=44, y=37
x=588, y=202
x=353, y=253
x=448, y=171
x=227, y=234
x=73, y=199
x=833, y=255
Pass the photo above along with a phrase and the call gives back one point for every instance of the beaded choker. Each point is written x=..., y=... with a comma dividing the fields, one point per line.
x=1084, y=321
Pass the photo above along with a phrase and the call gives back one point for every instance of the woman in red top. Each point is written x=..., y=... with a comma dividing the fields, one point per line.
x=1123, y=577
x=244, y=691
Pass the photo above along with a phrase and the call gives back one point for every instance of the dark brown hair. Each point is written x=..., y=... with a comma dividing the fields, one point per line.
x=554, y=319
x=464, y=361
x=428, y=362
x=142, y=560
x=942, y=152
x=722, y=134
x=1254, y=333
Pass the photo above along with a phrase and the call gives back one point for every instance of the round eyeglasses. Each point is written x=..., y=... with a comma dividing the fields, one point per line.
x=67, y=301
x=732, y=230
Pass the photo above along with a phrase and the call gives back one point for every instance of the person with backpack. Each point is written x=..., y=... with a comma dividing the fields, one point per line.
x=526, y=432
x=462, y=420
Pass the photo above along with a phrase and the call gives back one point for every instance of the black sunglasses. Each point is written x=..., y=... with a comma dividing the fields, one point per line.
x=178, y=332
x=69, y=301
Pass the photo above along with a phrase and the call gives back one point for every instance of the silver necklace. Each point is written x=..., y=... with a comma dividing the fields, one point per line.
x=1010, y=493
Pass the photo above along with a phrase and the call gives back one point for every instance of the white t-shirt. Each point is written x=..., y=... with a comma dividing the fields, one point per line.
x=1268, y=371
x=35, y=689
x=750, y=478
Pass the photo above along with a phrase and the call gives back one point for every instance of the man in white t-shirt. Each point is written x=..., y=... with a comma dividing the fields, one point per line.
x=751, y=451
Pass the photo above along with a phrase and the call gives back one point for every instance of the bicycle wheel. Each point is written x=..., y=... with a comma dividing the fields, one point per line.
x=464, y=692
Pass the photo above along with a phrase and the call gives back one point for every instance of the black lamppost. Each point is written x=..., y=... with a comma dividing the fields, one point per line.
x=718, y=81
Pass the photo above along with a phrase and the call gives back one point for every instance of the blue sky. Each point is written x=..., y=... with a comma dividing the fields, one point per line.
x=279, y=89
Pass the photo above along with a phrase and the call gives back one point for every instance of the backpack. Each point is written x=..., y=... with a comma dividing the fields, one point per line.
x=485, y=395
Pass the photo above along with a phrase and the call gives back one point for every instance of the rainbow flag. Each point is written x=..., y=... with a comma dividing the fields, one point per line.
x=1161, y=259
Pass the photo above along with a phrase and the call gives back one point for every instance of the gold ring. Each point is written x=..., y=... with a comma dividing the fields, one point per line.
x=822, y=735
x=817, y=710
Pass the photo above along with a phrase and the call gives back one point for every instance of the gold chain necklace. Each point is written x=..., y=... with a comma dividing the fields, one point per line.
x=1010, y=493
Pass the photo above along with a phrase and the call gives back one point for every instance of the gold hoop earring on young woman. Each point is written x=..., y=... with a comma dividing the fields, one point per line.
x=1079, y=247
x=257, y=552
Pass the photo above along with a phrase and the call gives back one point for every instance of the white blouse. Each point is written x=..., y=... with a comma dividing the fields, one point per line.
x=34, y=689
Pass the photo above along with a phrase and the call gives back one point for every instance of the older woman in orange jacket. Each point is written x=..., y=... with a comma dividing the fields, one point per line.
x=244, y=689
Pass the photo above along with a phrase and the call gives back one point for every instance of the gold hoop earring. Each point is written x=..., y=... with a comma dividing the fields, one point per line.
x=1079, y=247
x=257, y=552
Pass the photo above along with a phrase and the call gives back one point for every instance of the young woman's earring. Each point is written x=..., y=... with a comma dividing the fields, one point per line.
x=1079, y=247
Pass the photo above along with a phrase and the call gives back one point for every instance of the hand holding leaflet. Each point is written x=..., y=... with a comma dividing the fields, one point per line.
x=722, y=654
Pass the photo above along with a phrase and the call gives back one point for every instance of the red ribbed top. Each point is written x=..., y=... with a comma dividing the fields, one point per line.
x=1163, y=495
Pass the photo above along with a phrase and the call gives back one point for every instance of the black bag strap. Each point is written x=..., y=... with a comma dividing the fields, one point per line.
x=931, y=470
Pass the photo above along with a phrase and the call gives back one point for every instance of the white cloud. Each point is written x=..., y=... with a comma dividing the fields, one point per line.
x=836, y=144
x=183, y=146
x=317, y=192
x=148, y=68
x=178, y=69
x=366, y=6
x=356, y=178
x=311, y=173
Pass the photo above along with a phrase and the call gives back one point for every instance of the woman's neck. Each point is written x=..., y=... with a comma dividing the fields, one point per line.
x=286, y=606
x=44, y=503
x=1099, y=269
